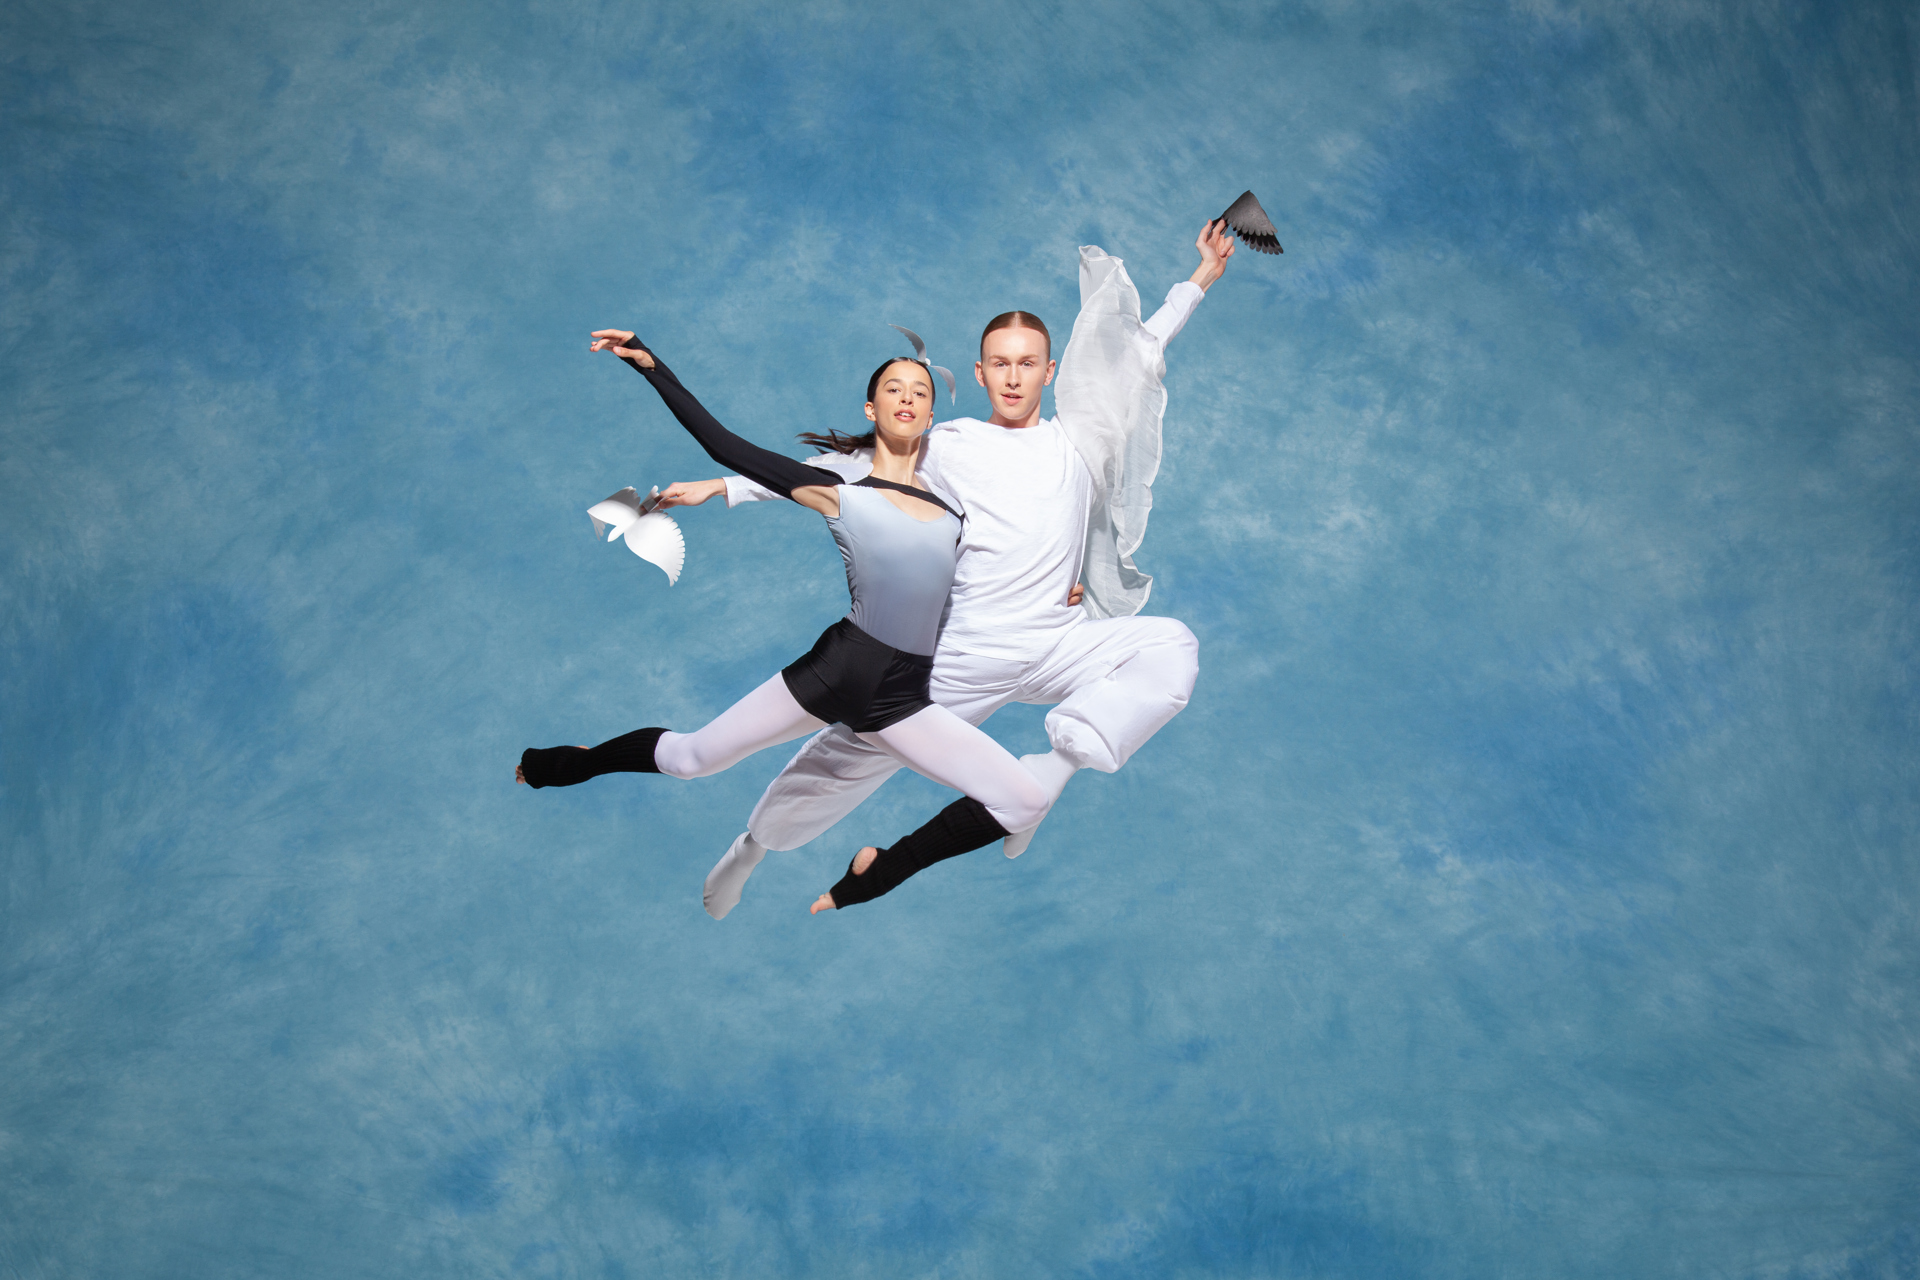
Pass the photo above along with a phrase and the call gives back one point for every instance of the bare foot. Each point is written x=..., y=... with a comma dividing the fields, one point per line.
x=861, y=861
x=521, y=778
x=724, y=884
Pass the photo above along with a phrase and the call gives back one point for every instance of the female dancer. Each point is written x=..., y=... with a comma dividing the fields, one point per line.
x=868, y=671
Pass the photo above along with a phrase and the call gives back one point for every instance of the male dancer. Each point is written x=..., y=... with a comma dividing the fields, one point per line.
x=1046, y=500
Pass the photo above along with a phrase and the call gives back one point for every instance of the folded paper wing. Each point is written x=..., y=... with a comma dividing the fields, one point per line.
x=1255, y=228
x=621, y=510
x=651, y=534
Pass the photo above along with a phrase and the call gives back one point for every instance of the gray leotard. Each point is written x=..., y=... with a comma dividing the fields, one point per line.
x=899, y=569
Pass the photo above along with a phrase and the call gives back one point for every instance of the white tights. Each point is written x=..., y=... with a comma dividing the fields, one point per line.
x=932, y=741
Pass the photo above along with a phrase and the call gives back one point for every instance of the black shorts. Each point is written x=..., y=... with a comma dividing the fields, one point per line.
x=850, y=678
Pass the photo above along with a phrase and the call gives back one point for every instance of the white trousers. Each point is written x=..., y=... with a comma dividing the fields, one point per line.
x=932, y=741
x=1117, y=680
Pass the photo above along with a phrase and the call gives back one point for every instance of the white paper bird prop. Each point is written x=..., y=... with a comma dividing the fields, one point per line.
x=651, y=534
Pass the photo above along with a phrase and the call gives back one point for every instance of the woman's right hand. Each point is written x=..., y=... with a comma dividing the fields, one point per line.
x=1216, y=246
x=615, y=340
x=690, y=493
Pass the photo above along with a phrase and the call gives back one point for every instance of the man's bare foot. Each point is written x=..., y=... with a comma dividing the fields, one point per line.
x=721, y=892
x=521, y=778
x=861, y=861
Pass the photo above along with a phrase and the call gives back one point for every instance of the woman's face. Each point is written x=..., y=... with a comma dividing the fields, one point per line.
x=902, y=405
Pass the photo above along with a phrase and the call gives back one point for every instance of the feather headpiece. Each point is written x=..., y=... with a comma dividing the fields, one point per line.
x=920, y=354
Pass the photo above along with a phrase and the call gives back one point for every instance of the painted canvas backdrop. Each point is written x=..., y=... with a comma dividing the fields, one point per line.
x=1528, y=890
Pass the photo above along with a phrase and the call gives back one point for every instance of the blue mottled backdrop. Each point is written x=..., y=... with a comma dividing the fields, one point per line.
x=1531, y=889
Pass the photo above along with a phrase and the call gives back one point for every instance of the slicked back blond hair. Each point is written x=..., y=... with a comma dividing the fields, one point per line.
x=1016, y=320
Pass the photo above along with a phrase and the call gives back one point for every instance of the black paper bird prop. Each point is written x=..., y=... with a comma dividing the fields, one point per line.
x=1256, y=229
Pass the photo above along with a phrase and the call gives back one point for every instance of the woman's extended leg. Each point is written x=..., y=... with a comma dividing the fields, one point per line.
x=1001, y=797
x=763, y=718
x=939, y=744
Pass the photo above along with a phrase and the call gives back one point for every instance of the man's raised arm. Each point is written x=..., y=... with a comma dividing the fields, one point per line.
x=1216, y=246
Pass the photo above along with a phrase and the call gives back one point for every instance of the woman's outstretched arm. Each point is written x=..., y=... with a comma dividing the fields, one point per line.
x=788, y=477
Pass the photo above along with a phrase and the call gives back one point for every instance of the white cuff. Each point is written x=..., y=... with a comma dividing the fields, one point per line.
x=1172, y=317
x=740, y=489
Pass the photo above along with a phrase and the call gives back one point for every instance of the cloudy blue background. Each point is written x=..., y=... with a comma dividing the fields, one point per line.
x=1529, y=890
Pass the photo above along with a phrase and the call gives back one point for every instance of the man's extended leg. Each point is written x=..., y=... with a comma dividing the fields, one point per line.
x=825, y=781
x=1116, y=681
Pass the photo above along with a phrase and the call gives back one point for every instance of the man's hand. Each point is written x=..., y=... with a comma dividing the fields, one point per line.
x=1216, y=246
x=690, y=493
x=1073, y=596
x=616, y=340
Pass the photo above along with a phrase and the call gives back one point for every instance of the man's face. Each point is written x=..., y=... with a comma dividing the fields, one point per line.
x=1013, y=367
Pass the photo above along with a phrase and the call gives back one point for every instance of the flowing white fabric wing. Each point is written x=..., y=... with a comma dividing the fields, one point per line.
x=1109, y=400
x=652, y=535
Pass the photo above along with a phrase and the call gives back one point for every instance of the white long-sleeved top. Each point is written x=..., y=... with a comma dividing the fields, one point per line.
x=1027, y=493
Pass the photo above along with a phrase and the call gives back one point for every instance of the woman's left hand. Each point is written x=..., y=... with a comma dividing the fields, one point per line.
x=690, y=493
x=615, y=340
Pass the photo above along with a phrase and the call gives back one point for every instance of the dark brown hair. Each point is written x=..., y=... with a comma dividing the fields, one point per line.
x=840, y=441
x=1017, y=320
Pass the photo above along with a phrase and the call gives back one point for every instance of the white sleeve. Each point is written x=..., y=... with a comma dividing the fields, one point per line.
x=740, y=489
x=930, y=472
x=1174, y=313
x=848, y=466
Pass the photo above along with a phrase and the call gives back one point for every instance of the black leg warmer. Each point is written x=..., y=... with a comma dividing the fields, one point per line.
x=961, y=827
x=567, y=766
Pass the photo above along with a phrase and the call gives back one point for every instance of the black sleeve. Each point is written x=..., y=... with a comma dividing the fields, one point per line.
x=961, y=827
x=762, y=466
